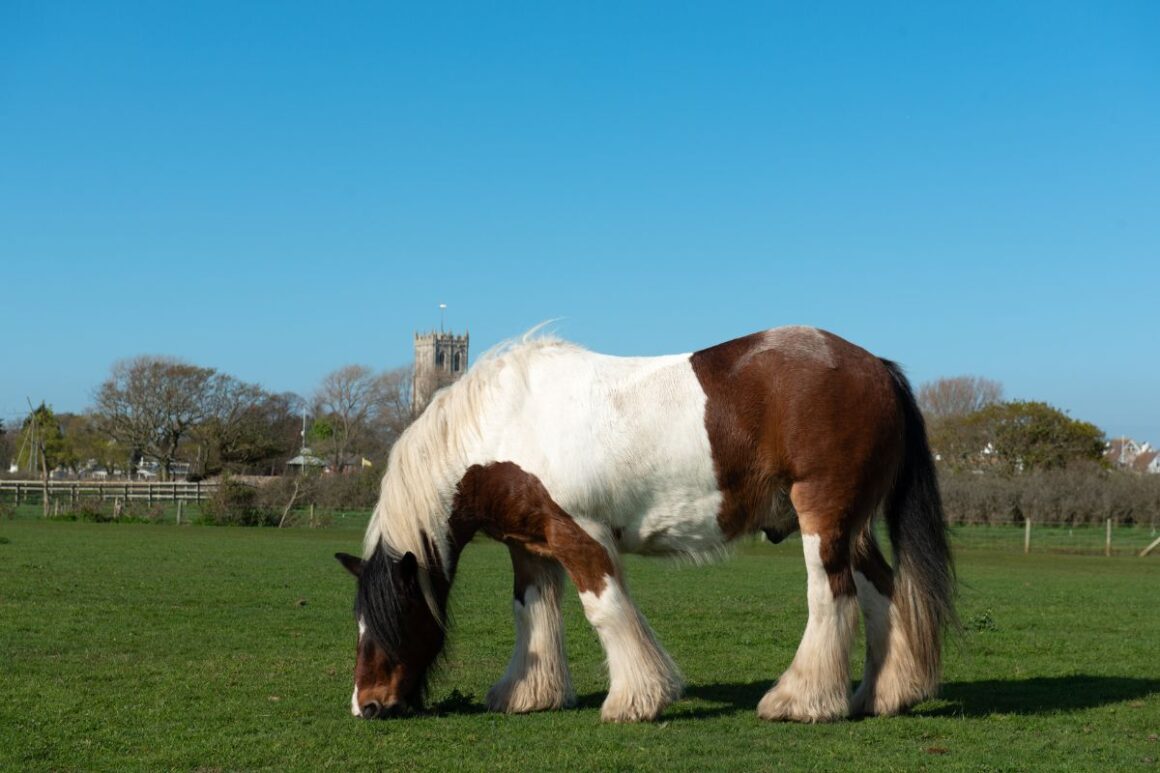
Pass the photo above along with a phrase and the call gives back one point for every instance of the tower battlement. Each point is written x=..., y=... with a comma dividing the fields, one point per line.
x=440, y=359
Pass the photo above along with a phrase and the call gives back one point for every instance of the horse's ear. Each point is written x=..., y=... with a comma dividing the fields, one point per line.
x=409, y=565
x=352, y=564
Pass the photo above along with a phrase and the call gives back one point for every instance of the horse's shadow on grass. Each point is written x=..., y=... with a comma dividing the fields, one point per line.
x=1037, y=695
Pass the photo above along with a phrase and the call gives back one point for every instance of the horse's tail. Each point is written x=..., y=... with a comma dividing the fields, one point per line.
x=924, y=576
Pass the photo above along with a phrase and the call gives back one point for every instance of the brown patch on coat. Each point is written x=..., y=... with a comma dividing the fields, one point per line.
x=531, y=571
x=511, y=505
x=807, y=412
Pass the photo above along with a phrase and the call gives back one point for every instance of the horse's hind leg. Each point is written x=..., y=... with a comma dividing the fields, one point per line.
x=891, y=681
x=816, y=686
x=537, y=677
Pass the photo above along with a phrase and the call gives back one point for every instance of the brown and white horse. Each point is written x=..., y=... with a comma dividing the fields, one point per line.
x=570, y=457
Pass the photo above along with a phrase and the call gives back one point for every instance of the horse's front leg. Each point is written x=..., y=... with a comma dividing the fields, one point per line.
x=643, y=679
x=537, y=677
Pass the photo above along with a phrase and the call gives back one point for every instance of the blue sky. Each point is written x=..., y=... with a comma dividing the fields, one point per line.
x=279, y=189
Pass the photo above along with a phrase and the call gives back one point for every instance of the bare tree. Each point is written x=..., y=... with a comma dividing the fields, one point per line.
x=360, y=411
x=151, y=404
x=345, y=405
x=395, y=414
x=246, y=427
x=957, y=396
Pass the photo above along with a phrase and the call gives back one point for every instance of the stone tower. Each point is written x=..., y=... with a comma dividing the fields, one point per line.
x=440, y=358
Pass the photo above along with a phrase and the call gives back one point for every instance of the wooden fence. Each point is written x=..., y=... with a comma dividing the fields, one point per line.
x=33, y=491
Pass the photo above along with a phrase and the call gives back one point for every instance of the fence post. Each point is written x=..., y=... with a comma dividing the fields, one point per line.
x=1108, y=541
x=180, y=504
x=18, y=495
x=312, y=515
x=1026, y=536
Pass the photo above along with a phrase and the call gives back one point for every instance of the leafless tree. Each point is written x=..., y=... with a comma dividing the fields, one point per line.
x=246, y=428
x=360, y=411
x=151, y=404
x=957, y=396
x=395, y=390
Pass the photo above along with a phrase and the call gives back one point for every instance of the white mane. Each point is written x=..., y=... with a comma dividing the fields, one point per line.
x=431, y=456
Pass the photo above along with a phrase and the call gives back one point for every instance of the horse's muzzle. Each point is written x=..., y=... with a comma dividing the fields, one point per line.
x=376, y=710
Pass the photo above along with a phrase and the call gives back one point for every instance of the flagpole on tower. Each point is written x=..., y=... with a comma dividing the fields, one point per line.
x=442, y=308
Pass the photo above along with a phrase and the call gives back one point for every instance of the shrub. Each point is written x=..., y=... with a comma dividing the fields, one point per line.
x=351, y=491
x=1082, y=493
x=237, y=504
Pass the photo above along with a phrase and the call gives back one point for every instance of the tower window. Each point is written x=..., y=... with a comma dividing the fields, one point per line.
x=455, y=362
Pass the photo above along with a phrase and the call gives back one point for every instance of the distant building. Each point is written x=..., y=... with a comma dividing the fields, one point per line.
x=305, y=460
x=1148, y=462
x=440, y=358
x=1126, y=453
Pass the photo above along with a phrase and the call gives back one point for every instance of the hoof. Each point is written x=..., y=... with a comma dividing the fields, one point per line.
x=875, y=701
x=526, y=696
x=622, y=707
x=783, y=704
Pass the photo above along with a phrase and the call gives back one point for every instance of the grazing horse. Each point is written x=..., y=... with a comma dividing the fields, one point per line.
x=570, y=457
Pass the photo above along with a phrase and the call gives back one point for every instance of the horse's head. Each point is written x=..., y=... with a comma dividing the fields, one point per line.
x=398, y=636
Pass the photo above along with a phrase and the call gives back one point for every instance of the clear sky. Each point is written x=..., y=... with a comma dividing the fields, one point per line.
x=277, y=189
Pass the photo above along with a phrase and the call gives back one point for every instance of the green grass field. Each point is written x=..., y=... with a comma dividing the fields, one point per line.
x=146, y=646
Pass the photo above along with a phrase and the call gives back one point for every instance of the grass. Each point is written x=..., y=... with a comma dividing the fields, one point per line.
x=145, y=647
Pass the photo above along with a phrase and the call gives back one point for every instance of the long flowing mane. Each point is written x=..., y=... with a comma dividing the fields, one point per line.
x=430, y=457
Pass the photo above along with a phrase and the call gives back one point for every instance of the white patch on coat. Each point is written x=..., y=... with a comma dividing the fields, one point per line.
x=815, y=688
x=622, y=442
x=354, y=707
x=643, y=679
x=794, y=341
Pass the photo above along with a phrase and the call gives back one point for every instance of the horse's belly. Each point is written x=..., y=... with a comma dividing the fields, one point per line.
x=677, y=521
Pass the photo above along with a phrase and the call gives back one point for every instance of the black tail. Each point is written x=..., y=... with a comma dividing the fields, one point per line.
x=924, y=586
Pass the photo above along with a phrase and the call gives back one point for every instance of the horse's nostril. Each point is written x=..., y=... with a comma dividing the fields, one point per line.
x=371, y=710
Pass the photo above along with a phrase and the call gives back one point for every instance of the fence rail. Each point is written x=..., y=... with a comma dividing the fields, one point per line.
x=34, y=491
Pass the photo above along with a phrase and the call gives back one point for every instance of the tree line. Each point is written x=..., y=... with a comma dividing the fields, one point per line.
x=971, y=428
x=1001, y=461
x=164, y=411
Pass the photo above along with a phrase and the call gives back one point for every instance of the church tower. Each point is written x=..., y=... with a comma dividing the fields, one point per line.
x=440, y=358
